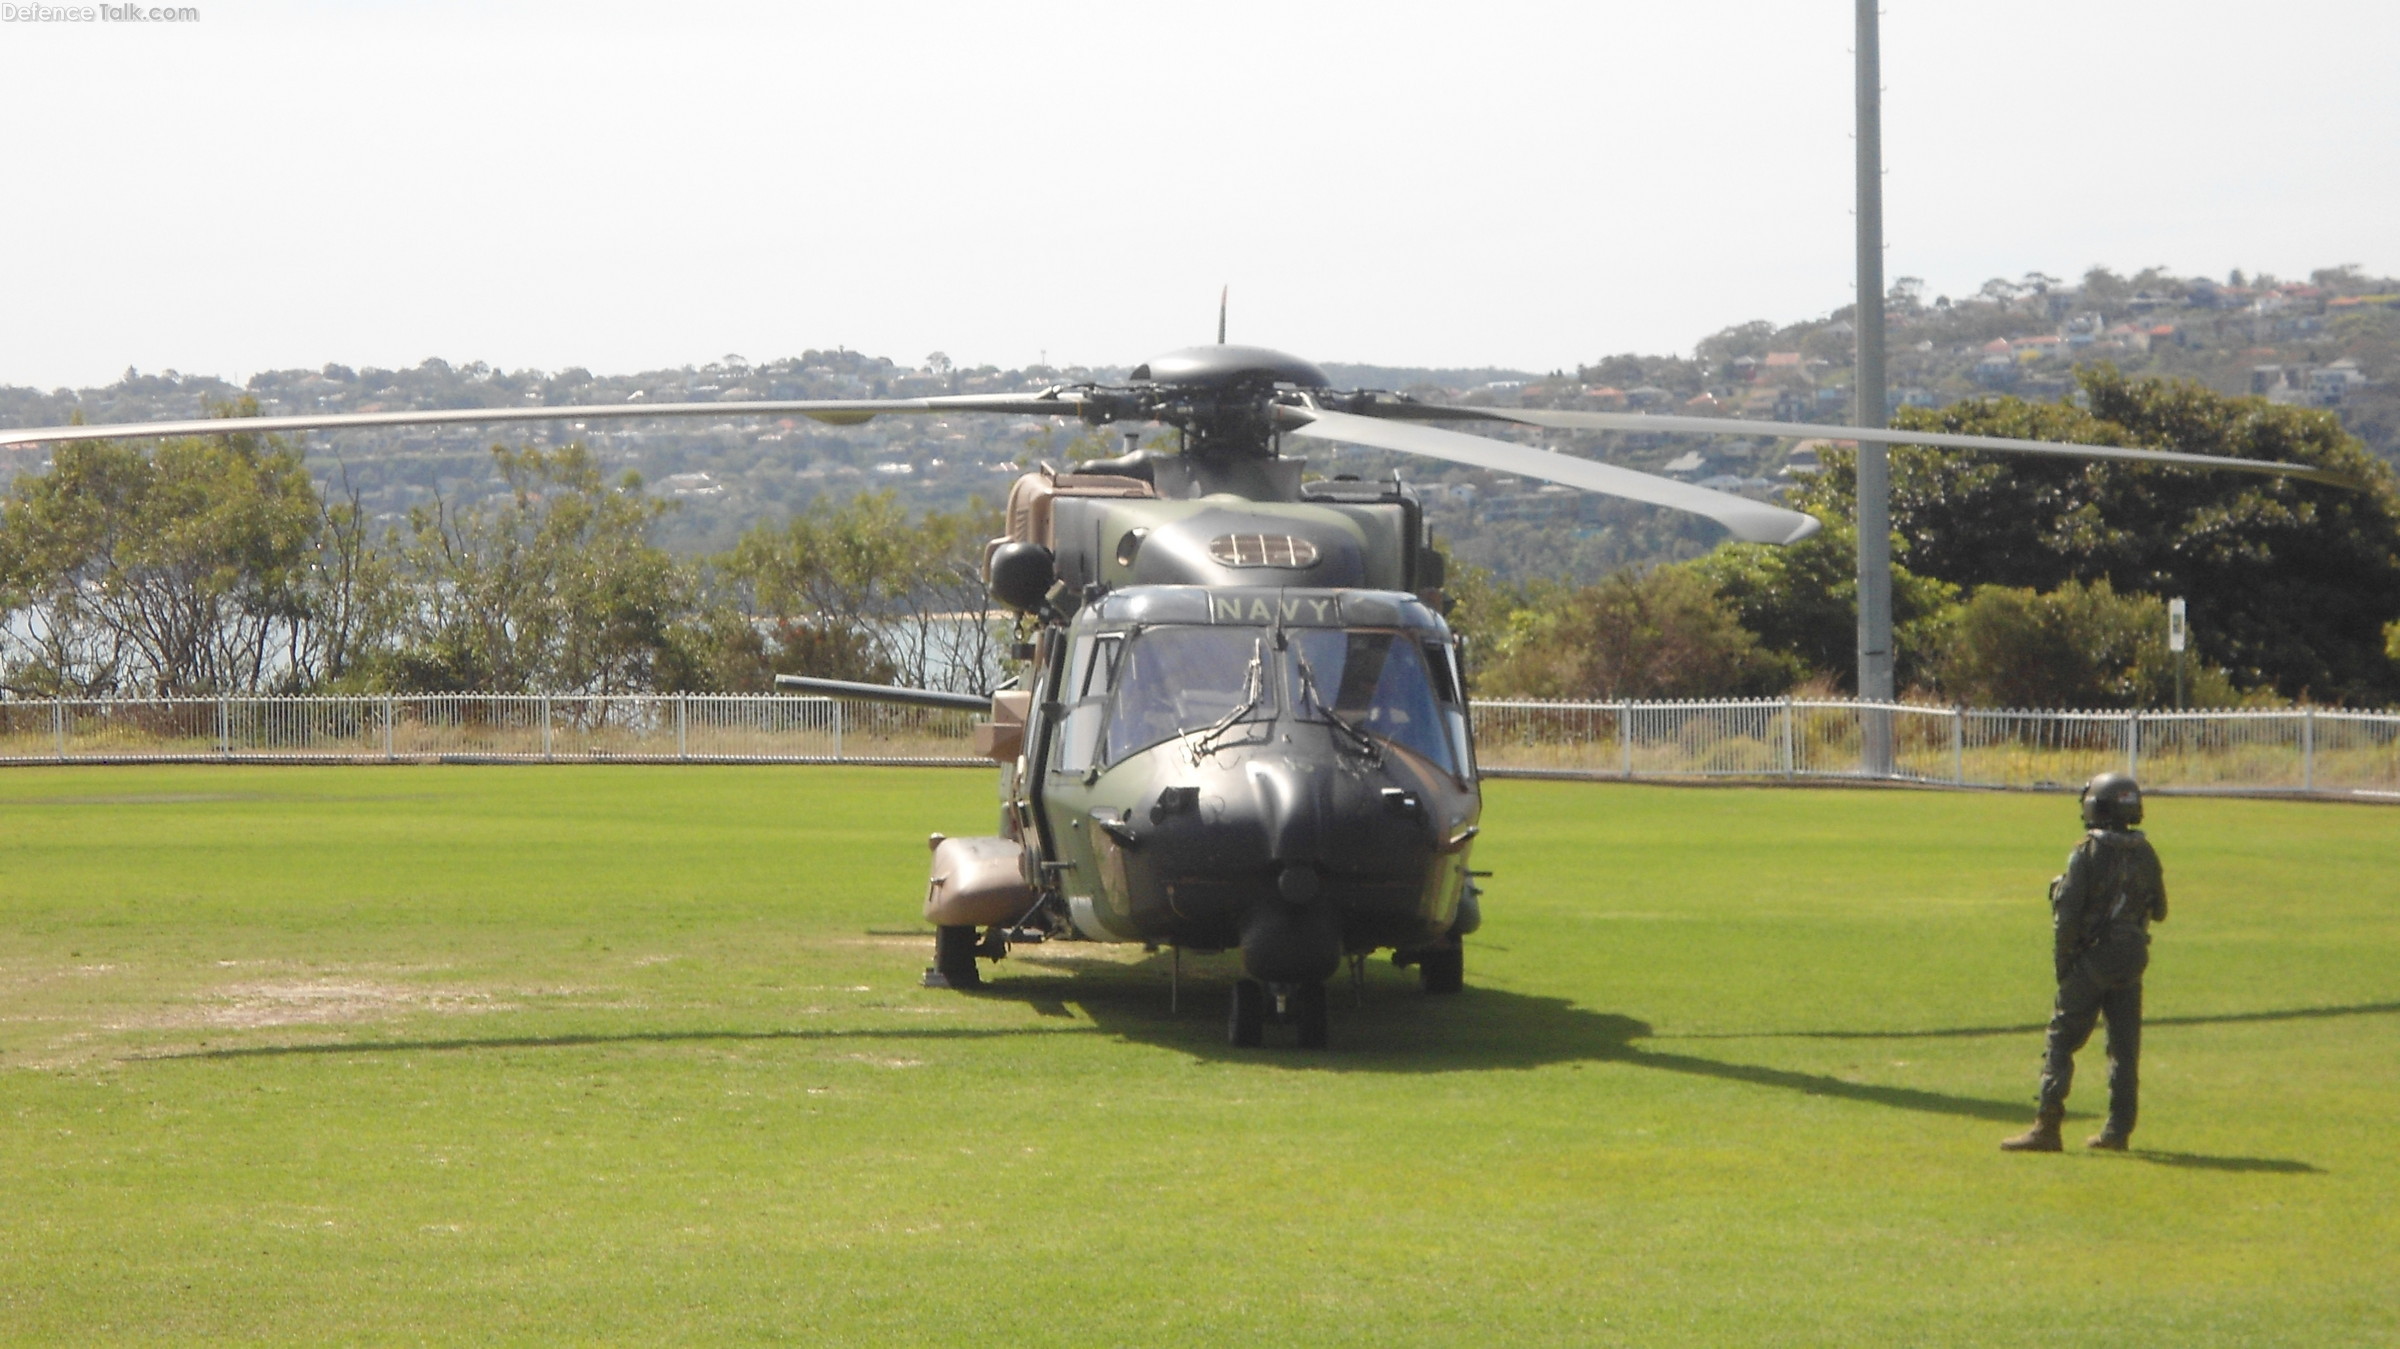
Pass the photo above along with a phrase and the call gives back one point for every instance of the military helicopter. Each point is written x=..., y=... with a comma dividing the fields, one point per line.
x=1243, y=723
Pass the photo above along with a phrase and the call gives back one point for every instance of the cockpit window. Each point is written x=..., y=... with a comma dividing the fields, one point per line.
x=1175, y=680
x=1376, y=682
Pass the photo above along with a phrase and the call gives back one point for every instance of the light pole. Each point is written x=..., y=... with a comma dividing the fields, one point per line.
x=1872, y=410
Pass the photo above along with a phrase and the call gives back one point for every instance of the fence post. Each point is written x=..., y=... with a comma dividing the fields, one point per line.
x=388, y=709
x=837, y=730
x=545, y=707
x=1790, y=761
x=683, y=723
x=58, y=725
x=224, y=730
x=2308, y=749
x=1625, y=735
x=2133, y=744
x=1958, y=746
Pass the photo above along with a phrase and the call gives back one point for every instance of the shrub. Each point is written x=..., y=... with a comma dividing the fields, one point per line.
x=2076, y=646
x=1663, y=634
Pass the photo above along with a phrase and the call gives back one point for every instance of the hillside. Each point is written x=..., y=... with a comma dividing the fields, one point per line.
x=2329, y=342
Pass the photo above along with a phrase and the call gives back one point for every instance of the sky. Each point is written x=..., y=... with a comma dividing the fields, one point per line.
x=282, y=183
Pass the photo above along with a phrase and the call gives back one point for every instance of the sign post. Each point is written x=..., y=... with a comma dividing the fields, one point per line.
x=2176, y=629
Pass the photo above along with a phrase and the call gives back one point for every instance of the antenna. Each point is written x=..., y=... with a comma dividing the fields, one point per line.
x=1222, y=293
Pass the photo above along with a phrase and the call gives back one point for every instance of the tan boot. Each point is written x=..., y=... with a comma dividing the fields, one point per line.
x=2108, y=1141
x=2042, y=1137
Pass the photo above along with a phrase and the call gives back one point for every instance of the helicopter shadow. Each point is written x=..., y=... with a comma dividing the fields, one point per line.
x=1391, y=1027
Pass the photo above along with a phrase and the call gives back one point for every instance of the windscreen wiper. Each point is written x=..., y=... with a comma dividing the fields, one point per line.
x=1308, y=686
x=1254, y=691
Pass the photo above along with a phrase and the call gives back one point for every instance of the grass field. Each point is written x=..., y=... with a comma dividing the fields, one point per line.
x=639, y=1054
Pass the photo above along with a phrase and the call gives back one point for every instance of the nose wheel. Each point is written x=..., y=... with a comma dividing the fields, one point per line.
x=1443, y=969
x=1254, y=1004
x=954, y=959
x=1246, y=1024
x=1306, y=1007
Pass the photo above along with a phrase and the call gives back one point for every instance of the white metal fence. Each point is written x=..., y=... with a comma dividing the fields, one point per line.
x=2297, y=750
x=476, y=728
x=2285, y=750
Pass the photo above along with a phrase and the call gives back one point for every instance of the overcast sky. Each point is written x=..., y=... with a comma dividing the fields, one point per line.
x=1537, y=185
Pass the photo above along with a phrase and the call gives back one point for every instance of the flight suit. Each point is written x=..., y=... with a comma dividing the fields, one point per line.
x=2101, y=912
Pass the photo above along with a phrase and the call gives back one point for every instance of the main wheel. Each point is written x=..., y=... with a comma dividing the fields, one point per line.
x=1443, y=969
x=1308, y=1013
x=1246, y=1024
x=954, y=956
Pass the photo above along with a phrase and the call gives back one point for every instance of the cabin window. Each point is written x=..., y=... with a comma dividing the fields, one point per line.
x=1449, y=688
x=1445, y=678
x=1263, y=550
x=1378, y=682
x=1174, y=680
x=1091, y=670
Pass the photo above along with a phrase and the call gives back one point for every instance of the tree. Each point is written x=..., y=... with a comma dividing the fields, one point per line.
x=861, y=592
x=1479, y=609
x=2290, y=583
x=2077, y=646
x=179, y=570
x=353, y=600
x=553, y=586
x=1664, y=634
x=1743, y=339
x=1801, y=601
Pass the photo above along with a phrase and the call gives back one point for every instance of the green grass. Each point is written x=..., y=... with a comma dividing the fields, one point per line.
x=624, y=1054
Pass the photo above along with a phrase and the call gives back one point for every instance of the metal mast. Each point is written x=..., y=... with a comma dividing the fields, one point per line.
x=1874, y=472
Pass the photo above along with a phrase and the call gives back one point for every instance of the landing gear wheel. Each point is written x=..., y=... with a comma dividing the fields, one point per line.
x=1246, y=1024
x=1443, y=969
x=1308, y=1014
x=954, y=957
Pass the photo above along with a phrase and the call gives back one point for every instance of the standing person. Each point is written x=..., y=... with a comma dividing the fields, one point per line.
x=2101, y=912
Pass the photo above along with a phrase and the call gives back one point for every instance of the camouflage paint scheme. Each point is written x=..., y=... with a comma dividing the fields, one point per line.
x=1242, y=727
x=1276, y=833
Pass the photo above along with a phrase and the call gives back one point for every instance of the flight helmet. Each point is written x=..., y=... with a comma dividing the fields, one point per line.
x=2112, y=800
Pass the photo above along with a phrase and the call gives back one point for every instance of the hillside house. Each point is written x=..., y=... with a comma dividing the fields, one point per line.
x=2327, y=388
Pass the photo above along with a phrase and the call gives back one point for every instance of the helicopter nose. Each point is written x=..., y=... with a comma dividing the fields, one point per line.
x=1292, y=808
x=1299, y=882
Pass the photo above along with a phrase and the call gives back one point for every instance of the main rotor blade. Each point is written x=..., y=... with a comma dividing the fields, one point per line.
x=836, y=411
x=1726, y=426
x=1751, y=521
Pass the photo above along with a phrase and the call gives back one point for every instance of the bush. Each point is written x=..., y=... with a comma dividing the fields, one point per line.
x=2299, y=579
x=2076, y=646
x=1801, y=601
x=1664, y=634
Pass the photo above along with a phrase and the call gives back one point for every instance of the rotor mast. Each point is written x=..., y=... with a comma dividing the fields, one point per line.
x=1875, y=676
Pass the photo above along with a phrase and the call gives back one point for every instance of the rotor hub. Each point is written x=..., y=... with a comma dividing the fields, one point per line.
x=1221, y=397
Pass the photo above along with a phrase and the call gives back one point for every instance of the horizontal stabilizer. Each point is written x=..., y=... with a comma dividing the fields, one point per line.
x=885, y=693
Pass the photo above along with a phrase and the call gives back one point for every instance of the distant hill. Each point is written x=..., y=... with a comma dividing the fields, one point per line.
x=2332, y=341
x=1409, y=378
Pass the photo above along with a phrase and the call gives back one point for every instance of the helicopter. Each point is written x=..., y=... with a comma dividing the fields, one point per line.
x=1242, y=723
